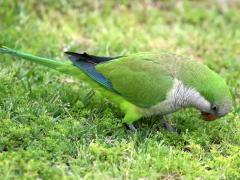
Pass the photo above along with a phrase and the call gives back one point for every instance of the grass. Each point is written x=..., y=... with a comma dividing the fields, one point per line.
x=48, y=129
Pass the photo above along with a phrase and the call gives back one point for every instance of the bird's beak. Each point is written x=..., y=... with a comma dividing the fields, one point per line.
x=208, y=117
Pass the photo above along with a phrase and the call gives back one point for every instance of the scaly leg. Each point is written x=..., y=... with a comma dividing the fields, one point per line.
x=130, y=117
x=131, y=127
x=166, y=125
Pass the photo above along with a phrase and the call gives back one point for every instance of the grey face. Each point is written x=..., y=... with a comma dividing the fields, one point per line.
x=217, y=110
x=222, y=108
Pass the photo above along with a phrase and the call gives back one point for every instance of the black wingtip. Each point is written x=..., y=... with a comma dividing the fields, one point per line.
x=77, y=54
x=73, y=56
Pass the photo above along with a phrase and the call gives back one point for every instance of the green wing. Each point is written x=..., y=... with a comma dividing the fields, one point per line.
x=139, y=78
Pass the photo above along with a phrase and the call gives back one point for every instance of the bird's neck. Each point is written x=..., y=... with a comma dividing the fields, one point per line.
x=181, y=96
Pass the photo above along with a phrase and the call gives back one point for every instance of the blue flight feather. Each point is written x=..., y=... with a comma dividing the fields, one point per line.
x=87, y=64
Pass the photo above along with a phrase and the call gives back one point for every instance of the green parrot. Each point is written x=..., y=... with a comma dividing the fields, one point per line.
x=146, y=84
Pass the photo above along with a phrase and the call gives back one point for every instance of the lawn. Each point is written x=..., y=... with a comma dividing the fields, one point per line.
x=49, y=129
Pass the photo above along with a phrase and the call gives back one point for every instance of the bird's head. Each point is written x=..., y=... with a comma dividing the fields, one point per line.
x=217, y=109
x=214, y=99
x=220, y=100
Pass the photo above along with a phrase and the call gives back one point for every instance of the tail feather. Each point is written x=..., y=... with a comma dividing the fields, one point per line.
x=39, y=60
x=64, y=67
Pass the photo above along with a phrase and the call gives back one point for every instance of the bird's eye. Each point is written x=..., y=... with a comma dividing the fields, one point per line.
x=214, y=108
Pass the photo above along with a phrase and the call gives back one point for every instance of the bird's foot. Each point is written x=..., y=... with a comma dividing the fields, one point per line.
x=131, y=127
x=166, y=125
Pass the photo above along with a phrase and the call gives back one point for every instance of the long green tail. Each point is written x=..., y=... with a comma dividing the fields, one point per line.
x=65, y=67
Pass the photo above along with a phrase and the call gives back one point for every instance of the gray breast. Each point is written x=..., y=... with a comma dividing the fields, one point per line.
x=180, y=96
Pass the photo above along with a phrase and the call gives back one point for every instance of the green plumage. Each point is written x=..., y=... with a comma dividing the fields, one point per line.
x=206, y=81
x=133, y=77
x=143, y=80
x=65, y=67
x=131, y=111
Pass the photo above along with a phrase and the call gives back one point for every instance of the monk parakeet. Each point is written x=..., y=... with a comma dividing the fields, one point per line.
x=146, y=84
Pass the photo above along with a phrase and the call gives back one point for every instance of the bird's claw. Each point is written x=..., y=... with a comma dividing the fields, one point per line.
x=131, y=127
x=168, y=127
